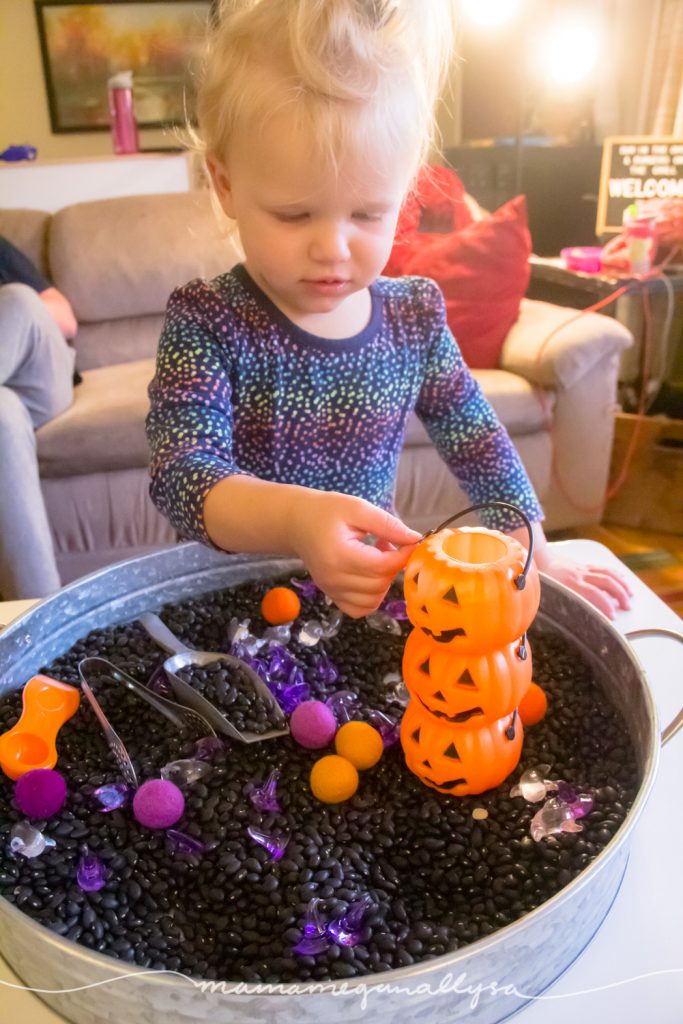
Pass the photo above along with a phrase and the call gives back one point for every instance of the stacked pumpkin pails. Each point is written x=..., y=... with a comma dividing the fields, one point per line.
x=467, y=662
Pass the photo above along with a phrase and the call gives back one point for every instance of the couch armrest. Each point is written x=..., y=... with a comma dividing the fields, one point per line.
x=554, y=347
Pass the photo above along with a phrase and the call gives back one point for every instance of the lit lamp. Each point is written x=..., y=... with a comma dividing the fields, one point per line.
x=471, y=594
x=558, y=50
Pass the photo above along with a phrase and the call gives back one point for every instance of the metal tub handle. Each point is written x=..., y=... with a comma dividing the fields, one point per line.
x=677, y=723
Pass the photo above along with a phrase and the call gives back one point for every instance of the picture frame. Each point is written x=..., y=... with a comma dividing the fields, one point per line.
x=84, y=43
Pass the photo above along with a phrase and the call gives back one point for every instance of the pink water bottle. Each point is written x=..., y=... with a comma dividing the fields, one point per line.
x=124, y=129
x=640, y=240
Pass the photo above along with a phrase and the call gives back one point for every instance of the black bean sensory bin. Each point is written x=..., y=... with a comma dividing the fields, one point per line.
x=434, y=877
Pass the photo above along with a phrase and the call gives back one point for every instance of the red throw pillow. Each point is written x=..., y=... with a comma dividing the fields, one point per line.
x=483, y=271
x=436, y=204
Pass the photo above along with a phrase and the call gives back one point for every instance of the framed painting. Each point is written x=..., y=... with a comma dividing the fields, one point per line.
x=83, y=44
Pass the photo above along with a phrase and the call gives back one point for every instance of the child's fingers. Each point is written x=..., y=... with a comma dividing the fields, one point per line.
x=384, y=545
x=597, y=597
x=366, y=559
x=384, y=526
x=367, y=586
x=611, y=583
x=356, y=608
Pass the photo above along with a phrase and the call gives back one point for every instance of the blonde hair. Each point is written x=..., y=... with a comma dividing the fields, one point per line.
x=361, y=75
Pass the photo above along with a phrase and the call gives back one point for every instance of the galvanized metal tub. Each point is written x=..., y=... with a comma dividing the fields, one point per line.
x=486, y=982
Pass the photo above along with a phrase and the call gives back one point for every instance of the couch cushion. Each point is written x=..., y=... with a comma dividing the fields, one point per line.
x=123, y=257
x=117, y=341
x=522, y=408
x=105, y=427
x=27, y=230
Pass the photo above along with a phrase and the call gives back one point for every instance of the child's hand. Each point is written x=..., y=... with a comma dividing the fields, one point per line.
x=602, y=587
x=327, y=532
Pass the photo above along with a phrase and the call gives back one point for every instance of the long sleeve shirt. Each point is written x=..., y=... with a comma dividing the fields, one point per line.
x=239, y=388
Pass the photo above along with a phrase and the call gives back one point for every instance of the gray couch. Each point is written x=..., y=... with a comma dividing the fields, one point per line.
x=118, y=260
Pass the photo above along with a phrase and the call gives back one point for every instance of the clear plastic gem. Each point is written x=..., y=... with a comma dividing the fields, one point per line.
x=534, y=784
x=28, y=841
x=186, y=771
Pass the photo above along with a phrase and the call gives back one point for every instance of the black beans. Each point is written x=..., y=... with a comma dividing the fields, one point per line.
x=438, y=878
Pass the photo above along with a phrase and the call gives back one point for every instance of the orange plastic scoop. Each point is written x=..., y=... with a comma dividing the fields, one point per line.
x=30, y=744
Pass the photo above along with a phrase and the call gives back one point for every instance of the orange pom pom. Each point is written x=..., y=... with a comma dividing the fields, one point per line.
x=280, y=605
x=533, y=705
x=360, y=744
x=333, y=779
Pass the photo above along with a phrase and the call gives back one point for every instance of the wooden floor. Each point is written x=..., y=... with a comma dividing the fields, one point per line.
x=657, y=558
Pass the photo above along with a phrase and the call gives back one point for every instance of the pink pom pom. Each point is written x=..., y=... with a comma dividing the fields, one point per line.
x=313, y=724
x=158, y=803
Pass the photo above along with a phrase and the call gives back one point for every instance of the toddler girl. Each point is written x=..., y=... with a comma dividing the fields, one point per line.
x=283, y=387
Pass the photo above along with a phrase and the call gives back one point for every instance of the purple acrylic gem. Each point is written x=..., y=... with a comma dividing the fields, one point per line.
x=389, y=731
x=279, y=660
x=208, y=748
x=112, y=796
x=289, y=697
x=158, y=683
x=325, y=671
x=285, y=677
x=566, y=793
x=347, y=929
x=582, y=805
x=314, y=940
x=296, y=677
x=274, y=844
x=556, y=816
x=90, y=872
x=265, y=798
x=181, y=842
x=307, y=588
x=396, y=609
x=343, y=705
x=259, y=665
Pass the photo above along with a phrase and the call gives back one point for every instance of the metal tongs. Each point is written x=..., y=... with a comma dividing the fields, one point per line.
x=182, y=656
x=182, y=717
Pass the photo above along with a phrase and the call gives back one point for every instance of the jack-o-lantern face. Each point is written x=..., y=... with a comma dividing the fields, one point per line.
x=460, y=589
x=460, y=761
x=466, y=690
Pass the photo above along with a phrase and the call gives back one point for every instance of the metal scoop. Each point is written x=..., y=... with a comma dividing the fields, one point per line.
x=183, y=656
x=183, y=718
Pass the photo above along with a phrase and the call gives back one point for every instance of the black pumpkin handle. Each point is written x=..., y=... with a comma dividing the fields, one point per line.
x=519, y=581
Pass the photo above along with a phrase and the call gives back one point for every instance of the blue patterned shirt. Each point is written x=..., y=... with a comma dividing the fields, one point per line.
x=239, y=388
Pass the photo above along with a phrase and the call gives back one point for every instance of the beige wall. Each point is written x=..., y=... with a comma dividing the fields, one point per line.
x=24, y=114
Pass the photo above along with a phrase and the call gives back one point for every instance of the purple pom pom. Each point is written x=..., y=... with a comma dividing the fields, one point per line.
x=40, y=793
x=158, y=803
x=313, y=724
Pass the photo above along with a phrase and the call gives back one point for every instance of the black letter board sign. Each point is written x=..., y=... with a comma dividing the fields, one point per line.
x=637, y=167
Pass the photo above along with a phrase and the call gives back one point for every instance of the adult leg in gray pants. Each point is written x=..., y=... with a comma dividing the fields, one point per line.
x=36, y=384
